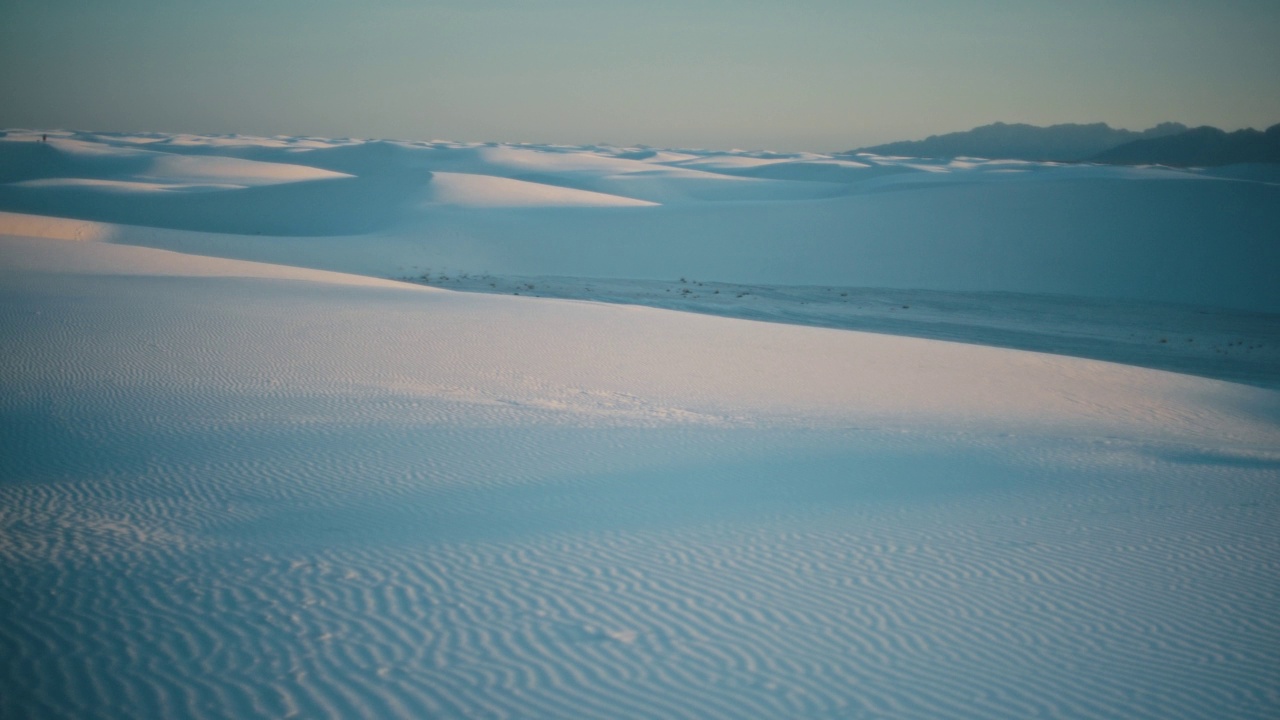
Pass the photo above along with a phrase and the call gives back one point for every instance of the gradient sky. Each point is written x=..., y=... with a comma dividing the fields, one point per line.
x=806, y=74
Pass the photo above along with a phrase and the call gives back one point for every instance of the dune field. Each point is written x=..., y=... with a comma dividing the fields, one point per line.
x=305, y=427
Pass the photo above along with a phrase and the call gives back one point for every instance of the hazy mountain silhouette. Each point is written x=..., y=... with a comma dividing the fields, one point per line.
x=1202, y=146
x=1067, y=142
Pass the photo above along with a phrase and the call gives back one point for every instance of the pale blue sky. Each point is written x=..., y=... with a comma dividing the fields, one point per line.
x=804, y=74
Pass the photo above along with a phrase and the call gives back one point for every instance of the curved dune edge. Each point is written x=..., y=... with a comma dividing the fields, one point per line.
x=602, y=359
x=54, y=228
x=481, y=191
x=39, y=249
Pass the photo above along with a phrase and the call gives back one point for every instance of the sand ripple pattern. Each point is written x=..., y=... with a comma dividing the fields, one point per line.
x=191, y=530
x=240, y=588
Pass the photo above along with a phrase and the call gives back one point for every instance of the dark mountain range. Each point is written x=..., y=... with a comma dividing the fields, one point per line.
x=1202, y=146
x=1067, y=143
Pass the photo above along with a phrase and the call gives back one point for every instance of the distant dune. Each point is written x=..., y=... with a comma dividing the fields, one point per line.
x=397, y=209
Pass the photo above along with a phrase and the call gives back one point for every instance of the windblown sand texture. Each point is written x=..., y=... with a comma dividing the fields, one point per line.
x=247, y=472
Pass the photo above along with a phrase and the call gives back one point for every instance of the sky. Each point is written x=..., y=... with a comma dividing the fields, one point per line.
x=822, y=75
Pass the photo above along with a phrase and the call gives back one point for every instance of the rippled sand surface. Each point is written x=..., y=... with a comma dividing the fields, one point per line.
x=235, y=490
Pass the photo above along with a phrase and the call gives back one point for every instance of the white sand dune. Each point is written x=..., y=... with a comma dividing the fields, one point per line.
x=249, y=489
x=467, y=190
x=965, y=225
x=1211, y=342
x=84, y=159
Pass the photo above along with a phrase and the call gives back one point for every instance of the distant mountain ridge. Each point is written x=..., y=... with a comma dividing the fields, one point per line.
x=1202, y=146
x=1068, y=142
